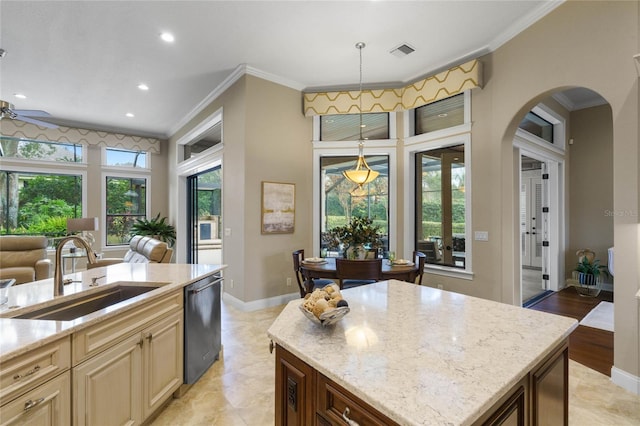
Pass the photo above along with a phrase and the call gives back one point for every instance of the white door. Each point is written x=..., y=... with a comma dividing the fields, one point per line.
x=531, y=221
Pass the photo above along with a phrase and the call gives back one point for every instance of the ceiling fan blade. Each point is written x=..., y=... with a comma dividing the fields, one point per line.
x=36, y=122
x=31, y=113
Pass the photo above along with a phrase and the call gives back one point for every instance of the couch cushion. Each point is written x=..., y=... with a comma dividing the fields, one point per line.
x=21, y=274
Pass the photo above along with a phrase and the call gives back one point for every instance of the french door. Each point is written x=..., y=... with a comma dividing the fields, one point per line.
x=204, y=217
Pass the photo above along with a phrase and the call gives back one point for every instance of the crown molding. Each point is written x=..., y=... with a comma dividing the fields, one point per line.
x=236, y=74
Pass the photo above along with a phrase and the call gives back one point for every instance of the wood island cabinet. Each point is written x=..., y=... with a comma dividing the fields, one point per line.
x=306, y=397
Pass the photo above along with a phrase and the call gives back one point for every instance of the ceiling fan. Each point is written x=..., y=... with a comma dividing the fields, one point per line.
x=7, y=111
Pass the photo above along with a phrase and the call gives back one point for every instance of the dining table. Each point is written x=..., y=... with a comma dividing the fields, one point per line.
x=326, y=268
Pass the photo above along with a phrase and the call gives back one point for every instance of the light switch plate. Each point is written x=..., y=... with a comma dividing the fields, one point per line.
x=227, y=232
x=482, y=236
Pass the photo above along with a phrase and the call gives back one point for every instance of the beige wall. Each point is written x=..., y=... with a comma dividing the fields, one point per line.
x=586, y=44
x=591, y=183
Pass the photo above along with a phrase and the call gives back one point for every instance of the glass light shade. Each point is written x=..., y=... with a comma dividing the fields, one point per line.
x=362, y=174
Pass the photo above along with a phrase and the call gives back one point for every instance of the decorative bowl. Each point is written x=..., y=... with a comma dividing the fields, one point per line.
x=329, y=317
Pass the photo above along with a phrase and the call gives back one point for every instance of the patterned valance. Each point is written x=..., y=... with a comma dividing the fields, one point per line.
x=20, y=129
x=443, y=85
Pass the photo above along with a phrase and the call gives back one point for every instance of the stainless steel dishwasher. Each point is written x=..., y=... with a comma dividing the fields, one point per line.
x=202, y=331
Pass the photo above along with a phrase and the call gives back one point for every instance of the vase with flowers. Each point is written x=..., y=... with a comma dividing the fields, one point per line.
x=355, y=238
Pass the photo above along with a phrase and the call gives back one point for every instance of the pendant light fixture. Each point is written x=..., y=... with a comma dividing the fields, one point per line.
x=362, y=174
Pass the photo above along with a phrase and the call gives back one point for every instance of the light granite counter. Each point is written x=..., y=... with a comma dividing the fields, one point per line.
x=423, y=356
x=21, y=335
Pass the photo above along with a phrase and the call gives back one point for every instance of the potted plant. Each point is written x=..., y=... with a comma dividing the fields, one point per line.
x=355, y=237
x=156, y=228
x=588, y=272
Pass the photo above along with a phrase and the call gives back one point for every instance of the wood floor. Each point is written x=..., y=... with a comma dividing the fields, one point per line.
x=591, y=347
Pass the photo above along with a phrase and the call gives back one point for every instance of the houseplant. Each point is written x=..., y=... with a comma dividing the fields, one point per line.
x=355, y=237
x=156, y=228
x=588, y=272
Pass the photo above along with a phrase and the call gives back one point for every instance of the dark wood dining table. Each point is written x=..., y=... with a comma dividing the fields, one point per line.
x=327, y=269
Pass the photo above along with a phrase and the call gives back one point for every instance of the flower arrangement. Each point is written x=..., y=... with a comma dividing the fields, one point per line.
x=360, y=231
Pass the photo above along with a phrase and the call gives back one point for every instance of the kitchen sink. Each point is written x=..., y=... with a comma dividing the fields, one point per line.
x=84, y=305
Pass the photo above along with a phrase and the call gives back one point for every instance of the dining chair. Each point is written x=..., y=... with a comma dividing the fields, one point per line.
x=420, y=259
x=352, y=273
x=298, y=257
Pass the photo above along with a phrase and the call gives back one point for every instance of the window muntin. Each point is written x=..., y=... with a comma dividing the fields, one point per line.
x=537, y=126
x=38, y=203
x=341, y=199
x=440, y=115
x=125, y=158
x=126, y=201
x=441, y=205
x=346, y=127
x=30, y=149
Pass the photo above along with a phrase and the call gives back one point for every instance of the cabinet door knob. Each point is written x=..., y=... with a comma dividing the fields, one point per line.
x=148, y=336
x=345, y=416
x=31, y=403
x=271, y=346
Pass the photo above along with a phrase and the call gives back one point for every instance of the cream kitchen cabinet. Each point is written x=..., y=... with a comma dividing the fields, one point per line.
x=126, y=383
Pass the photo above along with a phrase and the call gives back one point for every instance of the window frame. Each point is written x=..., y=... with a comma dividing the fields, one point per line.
x=113, y=172
x=456, y=135
x=386, y=147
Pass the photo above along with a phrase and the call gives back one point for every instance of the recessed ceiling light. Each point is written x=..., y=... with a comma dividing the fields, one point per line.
x=143, y=86
x=168, y=37
x=19, y=96
x=130, y=115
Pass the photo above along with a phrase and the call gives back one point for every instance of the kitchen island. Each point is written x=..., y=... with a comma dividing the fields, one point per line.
x=121, y=359
x=414, y=355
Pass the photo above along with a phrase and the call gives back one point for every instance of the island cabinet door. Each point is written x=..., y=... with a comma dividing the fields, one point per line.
x=294, y=390
x=107, y=387
x=163, y=366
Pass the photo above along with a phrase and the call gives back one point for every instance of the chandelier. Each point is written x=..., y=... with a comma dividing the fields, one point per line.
x=362, y=174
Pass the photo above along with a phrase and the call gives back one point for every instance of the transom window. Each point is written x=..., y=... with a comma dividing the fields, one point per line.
x=440, y=115
x=125, y=158
x=30, y=149
x=346, y=127
x=537, y=126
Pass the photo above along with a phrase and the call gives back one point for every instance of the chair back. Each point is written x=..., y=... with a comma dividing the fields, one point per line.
x=430, y=249
x=361, y=270
x=420, y=259
x=298, y=257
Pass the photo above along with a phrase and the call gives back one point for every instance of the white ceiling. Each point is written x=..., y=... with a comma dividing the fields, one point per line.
x=82, y=60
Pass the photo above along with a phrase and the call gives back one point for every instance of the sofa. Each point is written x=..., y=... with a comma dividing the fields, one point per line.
x=141, y=250
x=24, y=258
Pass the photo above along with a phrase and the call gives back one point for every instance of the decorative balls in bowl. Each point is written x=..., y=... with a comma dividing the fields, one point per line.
x=325, y=306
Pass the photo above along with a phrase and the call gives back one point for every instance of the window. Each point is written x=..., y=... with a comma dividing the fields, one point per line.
x=441, y=205
x=341, y=199
x=126, y=201
x=208, y=139
x=40, y=150
x=124, y=158
x=38, y=203
x=440, y=115
x=537, y=126
x=346, y=127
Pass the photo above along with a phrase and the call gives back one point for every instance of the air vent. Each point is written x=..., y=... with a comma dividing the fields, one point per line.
x=402, y=50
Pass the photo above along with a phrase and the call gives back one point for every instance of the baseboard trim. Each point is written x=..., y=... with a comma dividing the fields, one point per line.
x=255, y=305
x=625, y=380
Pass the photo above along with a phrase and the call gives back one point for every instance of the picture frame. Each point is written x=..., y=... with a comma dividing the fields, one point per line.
x=278, y=209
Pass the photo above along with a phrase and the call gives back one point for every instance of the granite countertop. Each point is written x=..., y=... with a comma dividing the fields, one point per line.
x=22, y=335
x=421, y=355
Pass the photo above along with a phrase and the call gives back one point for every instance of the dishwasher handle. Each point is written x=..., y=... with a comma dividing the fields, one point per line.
x=204, y=287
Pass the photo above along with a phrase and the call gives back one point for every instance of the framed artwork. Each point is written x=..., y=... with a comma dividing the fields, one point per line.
x=278, y=208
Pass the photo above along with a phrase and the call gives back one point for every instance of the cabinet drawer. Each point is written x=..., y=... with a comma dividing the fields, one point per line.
x=23, y=373
x=95, y=339
x=333, y=401
x=47, y=404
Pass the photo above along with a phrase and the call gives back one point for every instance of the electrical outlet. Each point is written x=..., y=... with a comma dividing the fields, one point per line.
x=440, y=287
x=288, y=282
x=231, y=283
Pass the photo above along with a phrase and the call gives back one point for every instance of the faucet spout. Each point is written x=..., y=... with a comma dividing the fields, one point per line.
x=58, y=284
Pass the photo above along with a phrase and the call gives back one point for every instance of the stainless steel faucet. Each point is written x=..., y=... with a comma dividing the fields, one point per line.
x=58, y=284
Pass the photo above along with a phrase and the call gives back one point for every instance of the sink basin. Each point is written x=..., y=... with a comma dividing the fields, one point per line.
x=76, y=308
